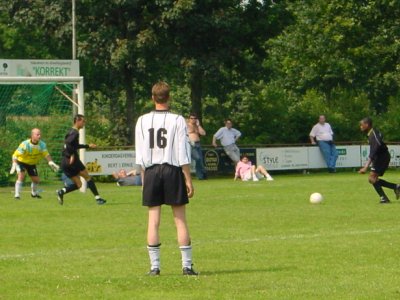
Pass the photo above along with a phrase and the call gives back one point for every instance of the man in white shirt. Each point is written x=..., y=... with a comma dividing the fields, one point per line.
x=228, y=137
x=163, y=150
x=322, y=135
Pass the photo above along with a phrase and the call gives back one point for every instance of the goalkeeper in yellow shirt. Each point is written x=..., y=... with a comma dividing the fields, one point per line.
x=24, y=160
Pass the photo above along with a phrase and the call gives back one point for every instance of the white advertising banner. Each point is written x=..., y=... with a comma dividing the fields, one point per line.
x=38, y=68
x=348, y=157
x=310, y=157
x=394, y=151
x=107, y=162
x=283, y=158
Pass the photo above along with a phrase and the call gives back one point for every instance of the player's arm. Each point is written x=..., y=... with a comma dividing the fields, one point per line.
x=15, y=166
x=51, y=163
x=364, y=169
x=188, y=180
x=17, y=153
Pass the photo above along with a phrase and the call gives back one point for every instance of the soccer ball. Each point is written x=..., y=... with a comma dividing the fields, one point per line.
x=316, y=198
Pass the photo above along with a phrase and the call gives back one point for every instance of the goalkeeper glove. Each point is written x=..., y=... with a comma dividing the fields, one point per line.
x=54, y=166
x=15, y=167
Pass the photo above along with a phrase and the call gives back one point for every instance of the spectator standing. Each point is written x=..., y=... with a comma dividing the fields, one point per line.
x=228, y=137
x=195, y=131
x=322, y=135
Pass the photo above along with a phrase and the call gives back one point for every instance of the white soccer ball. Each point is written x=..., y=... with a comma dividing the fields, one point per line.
x=316, y=198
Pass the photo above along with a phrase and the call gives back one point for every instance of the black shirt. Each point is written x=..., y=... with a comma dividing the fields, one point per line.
x=71, y=143
x=376, y=145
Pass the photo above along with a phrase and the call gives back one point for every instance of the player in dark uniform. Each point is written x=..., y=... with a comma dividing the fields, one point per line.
x=379, y=158
x=163, y=150
x=71, y=165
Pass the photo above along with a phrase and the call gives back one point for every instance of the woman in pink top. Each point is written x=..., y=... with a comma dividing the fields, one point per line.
x=246, y=171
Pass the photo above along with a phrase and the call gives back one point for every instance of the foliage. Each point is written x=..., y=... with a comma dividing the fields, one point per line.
x=272, y=66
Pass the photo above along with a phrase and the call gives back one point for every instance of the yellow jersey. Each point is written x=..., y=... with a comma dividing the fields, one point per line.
x=29, y=153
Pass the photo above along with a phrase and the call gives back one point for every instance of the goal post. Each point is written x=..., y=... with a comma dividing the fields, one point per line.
x=47, y=102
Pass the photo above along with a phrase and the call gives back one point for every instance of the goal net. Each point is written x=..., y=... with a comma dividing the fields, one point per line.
x=44, y=103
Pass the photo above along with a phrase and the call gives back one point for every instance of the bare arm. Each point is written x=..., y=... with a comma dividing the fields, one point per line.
x=214, y=141
x=188, y=180
x=201, y=130
x=365, y=168
x=312, y=140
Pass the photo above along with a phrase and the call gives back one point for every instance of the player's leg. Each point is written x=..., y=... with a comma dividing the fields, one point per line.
x=380, y=166
x=34, y=187
x=373, y=179
x=182, y=230
x=92, y=186
x=153, y=239
x=19, y=184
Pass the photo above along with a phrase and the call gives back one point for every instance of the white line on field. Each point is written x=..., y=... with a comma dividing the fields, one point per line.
x=298, y=236
x=306, y=236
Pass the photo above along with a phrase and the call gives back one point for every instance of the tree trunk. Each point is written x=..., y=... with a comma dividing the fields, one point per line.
x=196, y=92
x=130, y=105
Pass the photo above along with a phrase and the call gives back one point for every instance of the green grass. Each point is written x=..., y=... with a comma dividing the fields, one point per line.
x=260, y=240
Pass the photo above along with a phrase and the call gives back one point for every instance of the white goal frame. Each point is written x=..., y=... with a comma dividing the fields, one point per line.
x=79, y=92
x=80, y=104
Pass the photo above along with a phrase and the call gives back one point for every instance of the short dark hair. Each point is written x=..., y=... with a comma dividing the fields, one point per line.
x=193, y=114
x=367, y=120
x=160, y=92
x=78, y=117
x=228, y=120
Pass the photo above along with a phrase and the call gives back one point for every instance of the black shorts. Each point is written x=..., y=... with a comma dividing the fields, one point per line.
x=72, y=170
x=30, y=169
x=164, y=184
x=381, y=163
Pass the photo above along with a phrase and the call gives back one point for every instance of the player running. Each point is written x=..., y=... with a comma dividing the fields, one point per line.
x=163, y=150
x=379, y=158
x=24, y=160
x=71, y=165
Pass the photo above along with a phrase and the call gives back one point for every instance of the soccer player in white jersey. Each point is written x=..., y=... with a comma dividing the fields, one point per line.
x=163, y=150
x=24, y=160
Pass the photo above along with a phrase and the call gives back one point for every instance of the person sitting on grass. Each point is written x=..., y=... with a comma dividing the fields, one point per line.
x=247, y=171
x=127, y=178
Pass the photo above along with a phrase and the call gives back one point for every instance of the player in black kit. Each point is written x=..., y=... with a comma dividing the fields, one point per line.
x=71, y=165
x=379, y=158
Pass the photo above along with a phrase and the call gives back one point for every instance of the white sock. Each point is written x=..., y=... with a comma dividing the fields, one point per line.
x=154, y=255
x=186, y=252
x=18, y=188
x=34, y=188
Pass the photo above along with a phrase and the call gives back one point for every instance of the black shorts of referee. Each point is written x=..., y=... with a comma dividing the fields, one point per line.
x=72, y=170
x=381, y=163
x=164, y=184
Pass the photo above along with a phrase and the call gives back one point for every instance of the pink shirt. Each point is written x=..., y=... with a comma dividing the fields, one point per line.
x=242, y=168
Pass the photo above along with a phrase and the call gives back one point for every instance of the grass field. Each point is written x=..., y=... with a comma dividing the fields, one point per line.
x=252, y=240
